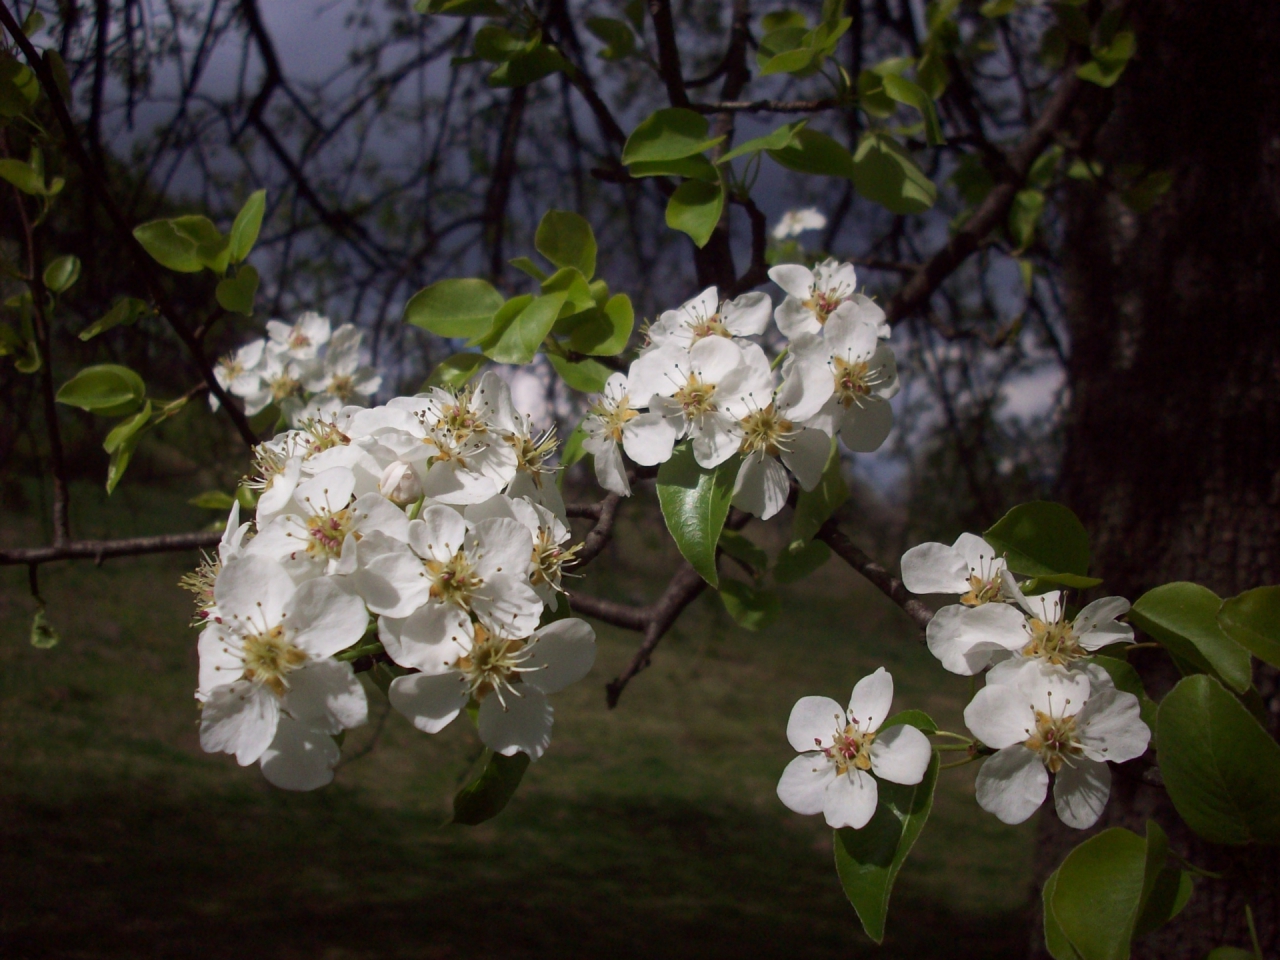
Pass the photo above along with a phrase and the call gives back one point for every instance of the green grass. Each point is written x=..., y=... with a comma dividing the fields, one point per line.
x=648, y=831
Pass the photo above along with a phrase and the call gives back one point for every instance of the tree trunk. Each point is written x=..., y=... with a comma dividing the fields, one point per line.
x=1172, y=453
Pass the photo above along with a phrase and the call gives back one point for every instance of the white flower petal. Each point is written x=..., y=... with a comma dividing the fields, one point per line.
x=562, y=652
x=1110, y=725
x=871, y=700
x=1080, y=792
x=510, y=607
x=1000, y=716
x=322, y=618
x=966, y=638
x=814, y=722
x=326, y=696
x=611, y=472
x=716, y=438
x=761, y=486
x=851, y=800
x=747, y=315
x=866, y=424
x=806, y=456
x=803, y=786
x=901, y=754
x=438, y=533
x=327, y=492
x=253, y=590
x=500, y=546
x=1095, y=626
x=648, y=439
x=795, y=279
x=935, y=568
x=431, y=639
x=390, y=577
x=1012, y=784
x=523, y=726
x=430, y=702
x=299, y=758
x=239, y=718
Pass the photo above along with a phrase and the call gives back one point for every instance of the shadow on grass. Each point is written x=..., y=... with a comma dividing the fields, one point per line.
x=141, y=872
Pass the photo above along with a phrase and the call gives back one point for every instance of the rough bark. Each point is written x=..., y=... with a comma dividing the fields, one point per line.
x=1173, y=444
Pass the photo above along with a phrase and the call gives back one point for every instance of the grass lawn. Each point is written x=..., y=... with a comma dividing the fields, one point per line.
x=648, y=831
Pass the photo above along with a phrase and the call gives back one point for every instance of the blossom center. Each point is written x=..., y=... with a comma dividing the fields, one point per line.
x=493, y=665
x=532, y=453
x=269, y=658
x=327, y=531
x=285, y=386
x=981, y=590
x=613, y=417
x=1054, y=740
x=298, y=340
x=851, y=747
x=823, y=303
x=696, y=397
x=1053, y=642
x=549, y=558
x=341, y=387
x=324, y=436
x=454, y=580
x=709, y=327
x=764, y=431
x=853, y=380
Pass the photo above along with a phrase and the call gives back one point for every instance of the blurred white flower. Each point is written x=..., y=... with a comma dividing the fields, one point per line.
x=796, y=222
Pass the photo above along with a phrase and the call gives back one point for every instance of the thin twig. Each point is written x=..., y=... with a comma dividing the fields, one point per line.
x=683, y=589
x=892, y=588
x=99, y=550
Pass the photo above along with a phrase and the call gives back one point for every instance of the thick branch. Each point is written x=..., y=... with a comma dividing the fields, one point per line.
x=99, y=550
x=668, y=53
x=599, y=535
x=878, y=575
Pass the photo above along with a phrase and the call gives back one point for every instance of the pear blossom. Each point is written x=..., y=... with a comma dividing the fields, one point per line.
x=322, y=537
x=1049, y=637
x=300, y=340
x=969, y=635
x=509, y=677
x=535, y=477
x=1044, y=720
x=705, y=316
x=615, y=424
x=446, y=572
x=842, y=379
x=813, y=296
x=240, y=372
x=705, y=391
x=202, y=581
x=340, y=374
x=795, y=222
x=840, y=750
x=771, y=440
x=269, y=688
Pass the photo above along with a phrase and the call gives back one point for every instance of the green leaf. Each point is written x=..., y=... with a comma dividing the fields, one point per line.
x=750, y=607
x=212, y=249
x=1055, y=940
x=528, y=67
x=616, y=35
x=604, y=332
x=460, y=307
x=777, y=19
x=58, y=68
x=121, y=442
x=814, y=152
x=43, y=636
x=697, y=167
x=576, y=290
x=1184, y=617
x=497, y=44
x=1109, y=61
x=904, y=91
x=884, y=173
x=868, y=860
x=572, y=451
x=740, y=548
x=1220, y=767
x=127, y=311
x=1126, y=678
x=168, y=246
x=566, y=240
x=872, y=97
x=998, y=8
x=1165, y=889
x=527, y=266
x=60, y=274
x=1046, y=165
x=668, y=135
x=1024, y=217
x=236, y=293
x=1098, y=893
x=23, y=176
x=108, y=390
x=695, y=209
x=695, y=503
x=1253, y=621
x=452, y=372
x=1042, y=539
x=213, y=500
x=19, y=88
x=586, y=376
x=518, y=339
x=486, y=796
x=778, y=139
x=813, y=507
x=914, y=718
x=798, y=560
x=244, y=232
x=1232, y=953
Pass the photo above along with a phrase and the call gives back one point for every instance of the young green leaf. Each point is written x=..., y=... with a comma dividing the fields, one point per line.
x=565, y=238
x=695, y=209
x=23, y=176
x=108, y=390
x=462, y=307
x=868, y=860
x=750, y=607
x=695, y=504
x=213, y=500
x=486, y=796
x=813, y=152
x=236, y=293
x=1055, y=941
x=740, y=548
x=1042, y=539
x=528, y=67
x=668, y=134
x=585, y=376
x=779, y=139
x=1024, y=217
x=1098, y=894
x=61, y=273
x=1220, y=767
x=126, y=311
x=43, y=636
x=527, y=266
x=121, y=442
x=904, y=91
x=1253, y=621
x=212, y=249
x=915, y=718
x=244, y=232
x=696, y=167
x=452, y=372
x=1184, y=617
x=604, y=332
x=616, y=35
x=884, y=173
x=518, y=339
x=813, y=507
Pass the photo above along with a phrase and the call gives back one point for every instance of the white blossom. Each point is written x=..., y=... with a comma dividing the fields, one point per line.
x=1044, y=720
x=706, y=316
x=616, y=423
x=840, y=750
x=813, y=296
x=770, y=440
x=550, y=535
x=509, y=677
x=795, y=222
x=340, y=374
x=1051, y=638
x=269, y=688
x=535, y=476
x=300, y=340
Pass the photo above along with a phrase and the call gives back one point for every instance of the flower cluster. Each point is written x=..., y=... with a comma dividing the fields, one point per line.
x=430, y=529
x=703, y=378
x=305, y=369
x=1046, y=707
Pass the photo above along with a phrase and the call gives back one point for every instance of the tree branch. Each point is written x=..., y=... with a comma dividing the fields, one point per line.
x=683, y=589
x=892, y=587
x=99, y=550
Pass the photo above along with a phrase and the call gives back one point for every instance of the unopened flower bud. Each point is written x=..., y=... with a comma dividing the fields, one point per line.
x=400, y=484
